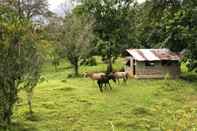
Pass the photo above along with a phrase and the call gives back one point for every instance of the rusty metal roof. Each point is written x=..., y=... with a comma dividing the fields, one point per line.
x=153, y=54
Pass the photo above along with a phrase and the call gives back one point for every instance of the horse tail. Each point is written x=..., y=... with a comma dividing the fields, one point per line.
x=127, y=75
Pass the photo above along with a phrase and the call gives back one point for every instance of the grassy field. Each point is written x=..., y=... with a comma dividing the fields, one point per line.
x=75, y=104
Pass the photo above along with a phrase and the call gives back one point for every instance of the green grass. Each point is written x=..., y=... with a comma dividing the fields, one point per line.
x=75, y=104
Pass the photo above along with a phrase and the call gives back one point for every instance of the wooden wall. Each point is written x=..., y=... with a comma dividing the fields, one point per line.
x=157, y=71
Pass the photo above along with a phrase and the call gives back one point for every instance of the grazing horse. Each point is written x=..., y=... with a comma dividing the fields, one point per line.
x=111, y=77
x=101, y=78
x=103, y=81
x=94, y=76
x=120, y=75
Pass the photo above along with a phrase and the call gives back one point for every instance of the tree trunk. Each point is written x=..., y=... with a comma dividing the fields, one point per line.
x=76, y=67
x=29, y=100
x=109, y=67
x=9, y=93
x=7, y=114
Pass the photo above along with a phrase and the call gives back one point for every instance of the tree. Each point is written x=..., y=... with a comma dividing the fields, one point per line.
x=113, y=25
x=178, y=28
x=180, y=33
x=169, y=24
x=28, y=8
x=53, y=34
x=31, y=10
x=76, y=39
x=17, y=48
x=32, y=79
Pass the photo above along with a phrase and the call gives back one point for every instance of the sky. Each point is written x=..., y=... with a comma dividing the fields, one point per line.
x=59, y=7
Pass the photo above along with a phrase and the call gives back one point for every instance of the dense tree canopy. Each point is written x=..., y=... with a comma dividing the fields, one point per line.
x=113, y=25
x=20, y=58
x=171, y=25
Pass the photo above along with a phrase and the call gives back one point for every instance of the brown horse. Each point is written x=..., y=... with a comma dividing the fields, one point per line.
x=95, y=76
x=120, y=75
x=101, y=78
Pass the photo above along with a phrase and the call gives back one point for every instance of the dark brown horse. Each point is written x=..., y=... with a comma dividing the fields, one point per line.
x=103, y=82
x=102, y=79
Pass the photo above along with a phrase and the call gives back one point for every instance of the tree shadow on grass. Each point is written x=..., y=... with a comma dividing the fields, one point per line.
x=190, y=77
x=15, y=126
x=34, y=117
x=60, y=69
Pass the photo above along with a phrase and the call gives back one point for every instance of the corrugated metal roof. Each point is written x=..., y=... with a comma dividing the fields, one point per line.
x=153, y=54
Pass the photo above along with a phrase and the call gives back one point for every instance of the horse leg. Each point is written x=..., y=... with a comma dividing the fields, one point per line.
x=109, y=85
x=105, y=86
x=125, y=79
x=100, y=86
x=118, y=81
x=114, y=81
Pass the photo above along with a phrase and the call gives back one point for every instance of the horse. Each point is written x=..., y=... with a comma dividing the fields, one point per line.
x=120, y=75
x=101, y=78
x=111, y=77
x=103, y=81
x=94, y=76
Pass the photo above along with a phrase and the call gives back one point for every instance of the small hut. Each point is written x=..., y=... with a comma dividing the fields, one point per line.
x=152, y=63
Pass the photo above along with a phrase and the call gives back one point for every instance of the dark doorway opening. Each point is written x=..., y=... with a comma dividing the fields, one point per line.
x=128, y=64
x=134, y=68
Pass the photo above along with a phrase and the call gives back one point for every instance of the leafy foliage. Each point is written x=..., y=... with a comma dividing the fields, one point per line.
x=28, y=8
x=112, y=25
x=77, y=36
x=169, y=24
x=20, y=59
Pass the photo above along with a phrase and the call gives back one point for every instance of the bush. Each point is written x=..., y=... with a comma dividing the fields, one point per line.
x=90, y=62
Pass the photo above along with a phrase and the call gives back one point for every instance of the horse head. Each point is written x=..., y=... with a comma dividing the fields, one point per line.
x=112, y=77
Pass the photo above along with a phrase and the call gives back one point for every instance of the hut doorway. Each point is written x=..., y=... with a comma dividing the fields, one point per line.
x=134, y=68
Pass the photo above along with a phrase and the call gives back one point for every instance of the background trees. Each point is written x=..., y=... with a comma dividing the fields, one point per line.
x=112, y=26
x=76, y=38
x=28, y=8
x=177, y=27
x=168, y=24
x=121, y=24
